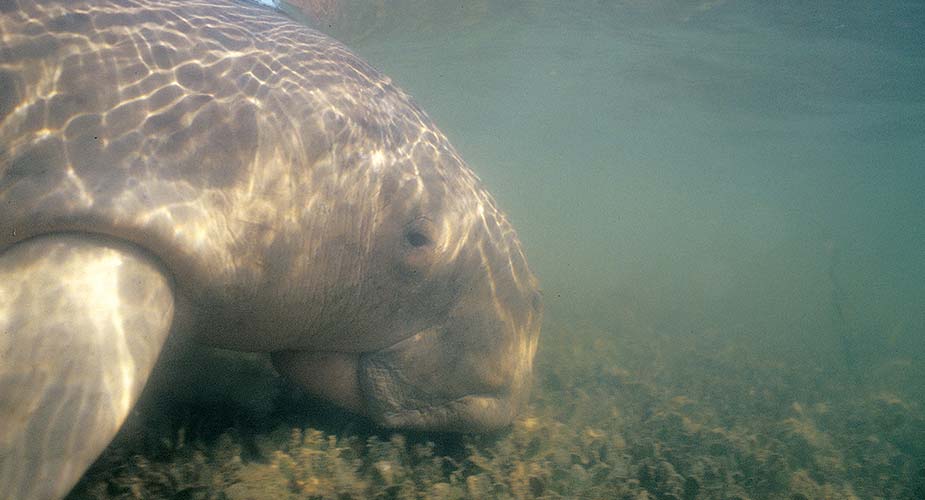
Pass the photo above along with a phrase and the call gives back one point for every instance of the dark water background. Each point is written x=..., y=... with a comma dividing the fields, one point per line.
x=749, y=171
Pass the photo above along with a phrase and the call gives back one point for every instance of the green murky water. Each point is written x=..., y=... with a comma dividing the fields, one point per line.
x=723, y=165
x=724, y=202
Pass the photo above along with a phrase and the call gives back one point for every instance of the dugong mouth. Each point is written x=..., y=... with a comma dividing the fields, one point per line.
x=344, y=379
x=333, y=376
x=432, y=380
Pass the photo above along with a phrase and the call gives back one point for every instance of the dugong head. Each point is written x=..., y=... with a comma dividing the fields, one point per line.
x=430, y=315
x=442, y=324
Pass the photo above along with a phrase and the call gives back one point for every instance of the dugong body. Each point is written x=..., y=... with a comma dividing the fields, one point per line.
x=215, y=162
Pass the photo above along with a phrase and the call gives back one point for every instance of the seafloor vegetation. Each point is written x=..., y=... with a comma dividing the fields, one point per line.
x=611, y=417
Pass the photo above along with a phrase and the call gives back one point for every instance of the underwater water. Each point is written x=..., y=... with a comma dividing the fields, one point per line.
x=725, y=204
x=719, y=165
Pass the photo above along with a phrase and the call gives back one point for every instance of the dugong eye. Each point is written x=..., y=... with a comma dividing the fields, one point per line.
x=420, y=233
x=417, y=239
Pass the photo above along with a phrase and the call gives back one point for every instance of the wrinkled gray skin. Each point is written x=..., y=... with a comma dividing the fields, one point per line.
x=270, y=187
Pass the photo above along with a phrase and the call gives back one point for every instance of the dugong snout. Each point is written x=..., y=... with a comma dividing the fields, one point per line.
x=472, y=373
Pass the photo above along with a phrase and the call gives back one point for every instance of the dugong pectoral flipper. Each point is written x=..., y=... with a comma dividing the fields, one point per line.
x=82, y=321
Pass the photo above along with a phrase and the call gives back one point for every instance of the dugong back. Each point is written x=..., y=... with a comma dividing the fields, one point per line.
x=191, y=128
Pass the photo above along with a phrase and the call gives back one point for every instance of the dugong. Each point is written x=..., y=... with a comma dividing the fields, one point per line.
x=213, y=164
